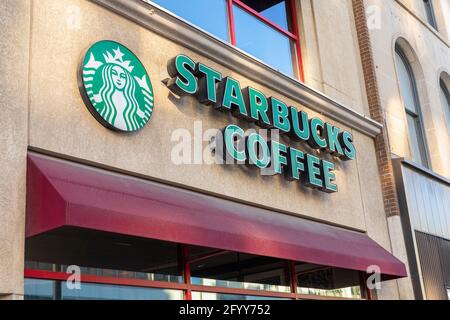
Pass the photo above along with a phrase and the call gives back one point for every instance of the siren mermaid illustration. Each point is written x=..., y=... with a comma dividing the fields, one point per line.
x=117, y=94
x=123, y=100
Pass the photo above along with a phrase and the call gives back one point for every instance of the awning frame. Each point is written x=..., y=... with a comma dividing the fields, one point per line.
x=62, y=193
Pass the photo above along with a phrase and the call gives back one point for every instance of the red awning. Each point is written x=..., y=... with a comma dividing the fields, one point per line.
x=62, y=193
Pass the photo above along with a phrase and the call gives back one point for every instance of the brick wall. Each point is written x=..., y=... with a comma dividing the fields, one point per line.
x=385, y=169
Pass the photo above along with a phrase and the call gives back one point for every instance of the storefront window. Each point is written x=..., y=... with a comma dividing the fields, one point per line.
x=238, y=271
x=264, y=29
x=93, y=291
x=116, y=267
x=328, y=282
x=104, y=255
x=224, y=296
x=350, y=292
x=36, y=289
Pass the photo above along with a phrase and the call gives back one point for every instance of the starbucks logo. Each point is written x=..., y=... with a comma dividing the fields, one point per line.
x=116, y=87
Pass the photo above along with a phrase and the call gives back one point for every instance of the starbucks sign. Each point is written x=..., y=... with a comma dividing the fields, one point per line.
x=116, y=87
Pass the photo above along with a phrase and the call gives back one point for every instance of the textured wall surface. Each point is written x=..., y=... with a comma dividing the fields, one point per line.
x=60, y=123
x=14, y=46
x=331, y=52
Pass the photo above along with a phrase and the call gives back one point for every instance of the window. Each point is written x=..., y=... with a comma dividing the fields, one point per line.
x=210, y=15
x=38, y=289
x=101, y=254
x=238, y=270
x=265, y=29
x=445, y=98
x=118, y=267
x=329, y=282
x=408, y=91
x=430, y=13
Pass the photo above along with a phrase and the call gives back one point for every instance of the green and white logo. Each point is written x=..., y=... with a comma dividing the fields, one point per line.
x=116, y=87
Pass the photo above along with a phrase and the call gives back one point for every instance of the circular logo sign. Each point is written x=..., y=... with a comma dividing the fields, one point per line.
x=116, y=87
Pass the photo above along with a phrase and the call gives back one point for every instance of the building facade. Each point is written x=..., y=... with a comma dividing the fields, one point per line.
x=410, y=45
x=215, y=150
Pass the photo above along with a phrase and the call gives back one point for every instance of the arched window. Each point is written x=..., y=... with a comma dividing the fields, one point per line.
x=445, y=97
x=408, y=90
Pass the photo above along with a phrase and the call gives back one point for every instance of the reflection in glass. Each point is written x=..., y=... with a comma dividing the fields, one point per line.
x=327, y=281
x=222, y=296
x=92, y=291
x=349, y=292
x=277, y=11
x=407, y=86
x=237, y=270
x=239, y=285
x=264, y=42
x=210, y=15
x=430, y=13
x=414, y=137
x=103, y=254
x=408, y=91
x=36, y=289
x=445, y=100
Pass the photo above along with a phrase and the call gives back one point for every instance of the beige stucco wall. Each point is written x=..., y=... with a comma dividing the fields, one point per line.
x=404, y=22
x=441, y=12
x=430, y=56
x=59, y=122
x=14, y=46
x=330, y=51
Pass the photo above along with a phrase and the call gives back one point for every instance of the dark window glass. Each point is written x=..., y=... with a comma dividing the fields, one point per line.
x=264, y=42
x=210, y=15
x=430, y=13
x=408, y=91
x=445, y=98
x=237, y=270
x=274, y=10
x=103, y=254
x=326, y=281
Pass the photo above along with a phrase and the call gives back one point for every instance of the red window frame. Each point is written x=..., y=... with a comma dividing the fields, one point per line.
x=293, y=36
x=187, y=287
